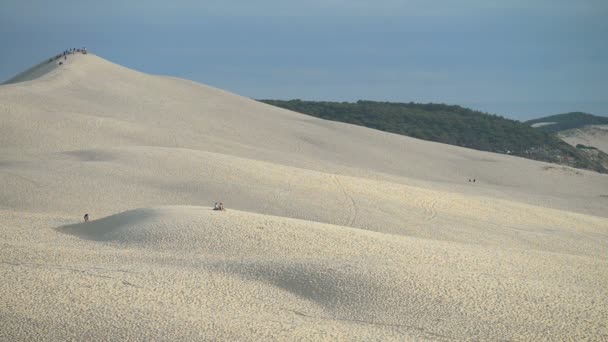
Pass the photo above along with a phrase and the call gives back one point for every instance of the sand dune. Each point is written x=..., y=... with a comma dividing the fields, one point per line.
x=104, y=105
x=333, y=232
x=596, y=136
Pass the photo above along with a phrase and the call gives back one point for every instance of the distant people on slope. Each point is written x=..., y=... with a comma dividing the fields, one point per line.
x=219, y=206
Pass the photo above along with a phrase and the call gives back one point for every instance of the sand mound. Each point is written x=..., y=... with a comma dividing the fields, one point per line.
x=230, y=233
x=332, y=268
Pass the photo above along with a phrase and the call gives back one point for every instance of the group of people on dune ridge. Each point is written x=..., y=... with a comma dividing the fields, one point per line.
x=67, y=52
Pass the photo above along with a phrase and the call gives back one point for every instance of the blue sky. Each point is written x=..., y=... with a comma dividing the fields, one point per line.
x=519, y=59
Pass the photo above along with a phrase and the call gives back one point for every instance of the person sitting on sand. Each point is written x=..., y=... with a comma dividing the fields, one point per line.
x=222, y=206
x=216, y=206
x=86, y=217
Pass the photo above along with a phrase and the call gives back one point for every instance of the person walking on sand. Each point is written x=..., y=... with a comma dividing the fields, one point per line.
x=86, y=217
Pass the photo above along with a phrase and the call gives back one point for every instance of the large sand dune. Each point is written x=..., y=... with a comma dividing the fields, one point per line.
x=333, y=231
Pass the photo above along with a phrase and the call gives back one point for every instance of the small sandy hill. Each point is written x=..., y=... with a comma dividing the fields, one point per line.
x=333, y=231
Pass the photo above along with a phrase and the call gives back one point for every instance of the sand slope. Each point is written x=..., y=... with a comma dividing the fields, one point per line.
x=596, y=136
x=333, y=232
x=291, y=278
x=37, y=71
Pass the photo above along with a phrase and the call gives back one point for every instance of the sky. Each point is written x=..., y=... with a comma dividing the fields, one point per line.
x=519, y=59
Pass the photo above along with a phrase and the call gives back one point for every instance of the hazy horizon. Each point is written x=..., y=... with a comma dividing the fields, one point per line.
x=517, y=60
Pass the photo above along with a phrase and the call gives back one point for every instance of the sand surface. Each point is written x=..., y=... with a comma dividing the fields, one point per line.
x=596, y=136
x=333, y=231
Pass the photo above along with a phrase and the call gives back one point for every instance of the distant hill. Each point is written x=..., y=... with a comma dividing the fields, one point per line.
x=590, y=136
x=587, y=132
x=449, y=124
x=561, y=122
